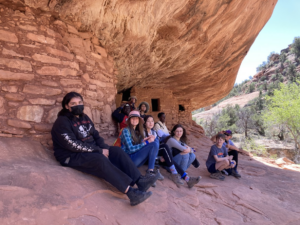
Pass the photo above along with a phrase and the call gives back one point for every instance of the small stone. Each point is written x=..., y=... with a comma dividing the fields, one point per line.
x=8, y=36
x=86, y=77
x=30, y=113
x=100, y=50
x=59, y=53
x=18, y=124
x=11, y=130
x=16, y=64
x=7, y=75
x=28, y=27
x=46, y=59
x=98, y=83
x=40, y=38
x=80, y=59
x=12, y=89
x=91, y=94
x=40, y=90
x=41, y=101
x=54, y=71
x=5, y=135
x=72, y=29
x=67, y=82
x=78, y=90
x=49, y=83
x=11, y=52
x=52, y=115
x=43, y=127
x=15, y=97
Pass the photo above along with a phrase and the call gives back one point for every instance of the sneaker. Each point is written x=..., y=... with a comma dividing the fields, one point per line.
x=154, y=184
x=218, y=175
x=225, y=172
x=177, y=180
x=136, y=196
x=145, y=182
x=236, y=174
x=193, y=181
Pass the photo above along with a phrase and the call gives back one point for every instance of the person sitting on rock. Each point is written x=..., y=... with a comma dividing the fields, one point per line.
x=161, y=124
x=166, y=158
x=139, y=148
x=143, y=108
x=132, y=100
x=183, y=154
x=232, y=151
x=218, y=159
x=121, y=115
x=77, y=144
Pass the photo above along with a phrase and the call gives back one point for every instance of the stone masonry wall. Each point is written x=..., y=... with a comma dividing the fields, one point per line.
x=168, y=104
x=42, y=59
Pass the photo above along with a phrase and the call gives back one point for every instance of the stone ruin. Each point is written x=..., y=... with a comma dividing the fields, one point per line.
x=40, y=61
x=177, y=63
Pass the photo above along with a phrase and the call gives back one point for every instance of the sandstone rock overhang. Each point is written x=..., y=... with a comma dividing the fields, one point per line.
x=193, y=47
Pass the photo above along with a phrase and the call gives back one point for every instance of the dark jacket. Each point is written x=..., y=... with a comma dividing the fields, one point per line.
x=118, y=115
x=72, y=135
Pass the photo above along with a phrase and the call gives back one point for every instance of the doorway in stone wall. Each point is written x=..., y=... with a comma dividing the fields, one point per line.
x=126, y=94
x=155, y=103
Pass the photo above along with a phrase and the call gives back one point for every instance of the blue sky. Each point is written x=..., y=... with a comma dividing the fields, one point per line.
x=277, y=34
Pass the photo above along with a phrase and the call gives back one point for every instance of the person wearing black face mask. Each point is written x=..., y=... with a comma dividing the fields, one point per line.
x=77, y=144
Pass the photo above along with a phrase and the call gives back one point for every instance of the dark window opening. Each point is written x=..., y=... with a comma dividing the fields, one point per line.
x=126, y=94
x=181, y=108
x=155, y=105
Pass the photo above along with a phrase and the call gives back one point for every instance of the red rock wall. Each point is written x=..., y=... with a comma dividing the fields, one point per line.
x=42, y=59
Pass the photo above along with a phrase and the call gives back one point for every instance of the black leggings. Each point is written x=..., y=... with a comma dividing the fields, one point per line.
x=118, y=169
x=166, y=153
x=235, y=155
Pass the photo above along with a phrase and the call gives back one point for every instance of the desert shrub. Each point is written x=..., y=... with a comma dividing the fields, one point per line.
x=251, y=146
x=296, y=47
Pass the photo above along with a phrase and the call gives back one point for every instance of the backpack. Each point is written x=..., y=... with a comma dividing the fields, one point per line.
x=118, y=142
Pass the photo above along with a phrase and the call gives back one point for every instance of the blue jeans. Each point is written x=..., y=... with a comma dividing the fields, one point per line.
x=184, y=161
x=148, y=152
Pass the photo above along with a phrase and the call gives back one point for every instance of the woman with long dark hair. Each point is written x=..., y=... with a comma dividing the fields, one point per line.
x=139, y=148
x=182, y=153
x=166, y=157
x=77, y=144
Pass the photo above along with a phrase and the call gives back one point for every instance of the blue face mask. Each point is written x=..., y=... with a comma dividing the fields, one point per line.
x=77, y=110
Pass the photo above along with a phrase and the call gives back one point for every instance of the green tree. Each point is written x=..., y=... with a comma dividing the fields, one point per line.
x=296, y=47
x=251, y=87
x=283, y=109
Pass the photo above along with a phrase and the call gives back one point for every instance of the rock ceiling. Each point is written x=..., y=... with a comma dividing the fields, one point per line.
x=193, y=47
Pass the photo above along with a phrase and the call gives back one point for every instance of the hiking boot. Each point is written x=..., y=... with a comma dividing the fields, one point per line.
x=136, y=196
x=236, y=174
x=193, y=180
x=177, y=180
x=145, y=182
x=218, y=175
x=160, y=177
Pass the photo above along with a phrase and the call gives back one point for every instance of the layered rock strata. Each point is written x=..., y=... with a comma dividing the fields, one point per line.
x=42, y=59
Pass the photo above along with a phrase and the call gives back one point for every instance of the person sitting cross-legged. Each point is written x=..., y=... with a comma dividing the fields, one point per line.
x=233, y=151
x=218, y=159
x=161, y=124
x=77, y=145
x=166, y=157
x=138, y=147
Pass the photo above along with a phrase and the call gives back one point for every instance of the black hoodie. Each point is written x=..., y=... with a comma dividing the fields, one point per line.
x=71, y=134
